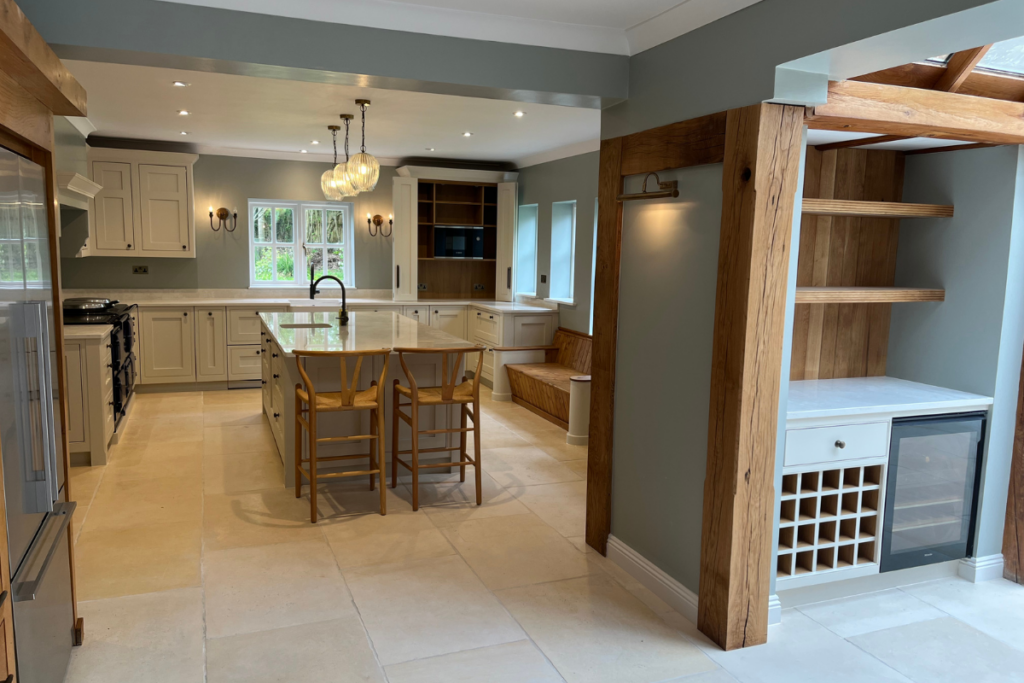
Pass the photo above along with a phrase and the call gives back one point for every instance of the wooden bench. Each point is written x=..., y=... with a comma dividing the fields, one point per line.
x=540, y=377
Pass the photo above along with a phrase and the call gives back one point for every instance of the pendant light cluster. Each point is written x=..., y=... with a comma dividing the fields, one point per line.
x=355, y=175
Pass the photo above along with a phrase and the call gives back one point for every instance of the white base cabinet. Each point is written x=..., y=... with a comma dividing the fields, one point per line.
x=168, y=345
x=211, y=347
x=90, y=391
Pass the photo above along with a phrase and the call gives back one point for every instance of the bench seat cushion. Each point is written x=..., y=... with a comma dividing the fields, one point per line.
x=543, y=385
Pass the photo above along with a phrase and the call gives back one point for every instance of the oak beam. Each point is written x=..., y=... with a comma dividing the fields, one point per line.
x=950, y=148
x=959, y=66
x=1013, y=529
x=602, y=367
x=892, y=110
x=677, y=145
x=759, y=185
x=859, y=142
x=861, y=208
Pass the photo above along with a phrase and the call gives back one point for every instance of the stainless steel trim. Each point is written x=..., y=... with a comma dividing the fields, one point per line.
x=24, y=590
x=88, y=304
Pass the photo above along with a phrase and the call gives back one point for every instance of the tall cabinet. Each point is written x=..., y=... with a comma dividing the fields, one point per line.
x=428, y=200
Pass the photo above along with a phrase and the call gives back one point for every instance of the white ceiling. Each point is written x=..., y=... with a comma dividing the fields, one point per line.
x=825, y=137
x=273, y=118
x=623, y=27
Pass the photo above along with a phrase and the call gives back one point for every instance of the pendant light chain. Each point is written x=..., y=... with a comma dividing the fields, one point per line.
x=334, y=134
x=362, y=148
x=347, y=121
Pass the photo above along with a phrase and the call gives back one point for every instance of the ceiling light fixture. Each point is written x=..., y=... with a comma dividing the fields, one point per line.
x=430, y=149
x=184, y=133
x=184, y=112
x=334, y=181
x=302, y=151
x=520, y=114
x=342, y=177
x=467, y=134
x=314, y=142
x=363, y=168
x=180, y=84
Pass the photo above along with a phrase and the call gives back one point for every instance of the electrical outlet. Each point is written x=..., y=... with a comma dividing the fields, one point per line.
x=543, y=279
x=422, y=287
x=140, y=270
x=478, y=288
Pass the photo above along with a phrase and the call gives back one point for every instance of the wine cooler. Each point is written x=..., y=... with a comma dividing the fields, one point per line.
x=932, y=489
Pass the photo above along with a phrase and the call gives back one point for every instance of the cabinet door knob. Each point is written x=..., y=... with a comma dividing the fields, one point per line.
x=209, y=313
x=478, y=312
x=276, y=376
x=840, y=443
x=257, y=353
x=184, y=246
x=273, y=355
x=128, y=246
x=491, y=317
x=435, y=312
x=277, y=414
x=186, y=314
x=264, y=381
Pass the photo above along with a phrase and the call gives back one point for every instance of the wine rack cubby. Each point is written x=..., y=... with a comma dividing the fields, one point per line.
x=829, y=523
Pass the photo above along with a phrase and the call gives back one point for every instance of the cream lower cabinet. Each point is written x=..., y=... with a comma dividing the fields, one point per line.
x=244, y=339
x=495, y=329
x=168, y=345
x=211, y=345
x=90, y=391
x=450, y=319
x=420, y=314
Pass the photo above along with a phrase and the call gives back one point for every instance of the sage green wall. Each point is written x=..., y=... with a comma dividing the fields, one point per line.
x=572, y=178
x=222, y=257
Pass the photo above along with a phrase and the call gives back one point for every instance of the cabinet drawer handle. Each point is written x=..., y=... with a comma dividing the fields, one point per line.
x=398, y=277
x=840, y=443
x=491, y=317
x=257, y=353
x=509, y=283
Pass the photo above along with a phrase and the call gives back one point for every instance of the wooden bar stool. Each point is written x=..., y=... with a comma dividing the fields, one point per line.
x=350, y=398
x=449, y=393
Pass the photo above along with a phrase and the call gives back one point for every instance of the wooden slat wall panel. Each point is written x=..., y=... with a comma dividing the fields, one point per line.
x=574, y=350
x=846, y=340
x=547, y=398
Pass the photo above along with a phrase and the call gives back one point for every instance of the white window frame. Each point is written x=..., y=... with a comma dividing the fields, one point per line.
x=536, y=235
x=299, y=227
x=570, y=300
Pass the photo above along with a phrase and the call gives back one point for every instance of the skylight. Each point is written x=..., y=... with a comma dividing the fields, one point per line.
x=1007, y=56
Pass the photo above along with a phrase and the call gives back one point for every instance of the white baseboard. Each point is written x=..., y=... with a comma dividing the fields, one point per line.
x=577, y=440
x=774, y=610
x=500, y=397
x=977, y=569
x=679, y=597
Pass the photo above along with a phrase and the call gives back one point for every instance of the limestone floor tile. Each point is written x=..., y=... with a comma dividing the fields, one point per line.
x=563, y=506
x=256, y=518
x=239, y=472
x=163, y=430
x=427, y=608
x=246, y=438
x=142, y=559
x=337, y=500
x=516, y=551
x=715, y=676
x=129, y=465
x=801, y=646
x=450, y=501
x=232, y=415
x=577, y=466
x=592, y=630
x=156, y=637
x=559, y=449
x=944, y=651
x=632, y=586
x=363, y=540
x=138, y=502
x=498, y=437
x=872, y=612
x=515, y=468
x=150, y=407
x=232, y=397
x=523, y=420
x=81, y=513
x=272, y=586
x=516, y=662
x=125, y=455
x=84, y=482
x=993, y=607
x=336, y=651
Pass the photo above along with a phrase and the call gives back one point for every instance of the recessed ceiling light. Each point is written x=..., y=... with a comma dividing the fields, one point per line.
x=520, y=114
x=467, y=134
x=303, y=151
x=430, y=149
x=181, y=84
x=184, y=112
x=314, y=142
x=184, y=133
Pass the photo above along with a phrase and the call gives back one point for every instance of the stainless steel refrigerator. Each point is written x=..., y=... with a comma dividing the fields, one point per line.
x=30, y=433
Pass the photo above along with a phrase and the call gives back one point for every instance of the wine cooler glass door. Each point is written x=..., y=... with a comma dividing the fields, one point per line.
x=931, y=491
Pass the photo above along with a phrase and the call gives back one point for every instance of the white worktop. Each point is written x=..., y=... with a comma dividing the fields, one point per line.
x=866, y=396
x=86, y=331
x=366, y=331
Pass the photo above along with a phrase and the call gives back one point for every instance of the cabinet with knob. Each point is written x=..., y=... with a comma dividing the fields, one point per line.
x=89, y=389
x=168, y=349
x=146, y=204
x=211, y=347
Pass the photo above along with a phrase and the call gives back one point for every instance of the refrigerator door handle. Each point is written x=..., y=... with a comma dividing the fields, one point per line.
x=24, y=589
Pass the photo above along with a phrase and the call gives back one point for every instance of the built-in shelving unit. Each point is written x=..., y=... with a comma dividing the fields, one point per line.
x=864, y=209
x=866, y=295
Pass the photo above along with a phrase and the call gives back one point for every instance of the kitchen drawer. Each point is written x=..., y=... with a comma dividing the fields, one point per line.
x=244, y=323
x=245, y=362
x=485, y=328
x=820, y=444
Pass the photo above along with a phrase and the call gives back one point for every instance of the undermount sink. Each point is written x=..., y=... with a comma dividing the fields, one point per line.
x=314, y=303
x=305, y=326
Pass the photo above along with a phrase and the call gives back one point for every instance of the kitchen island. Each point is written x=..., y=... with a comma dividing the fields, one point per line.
x=285, y=333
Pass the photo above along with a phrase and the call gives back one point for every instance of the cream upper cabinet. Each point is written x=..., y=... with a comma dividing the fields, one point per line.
x=115, y=223
x=211, y=345
x=450, y=319
x=405, y=264
x=146, y=206
x=165, y=208
x=168, y=345
x=508, y=206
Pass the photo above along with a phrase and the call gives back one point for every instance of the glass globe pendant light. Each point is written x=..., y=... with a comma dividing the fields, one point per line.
x=342, y=180
x=363, y=168
x=327, y=184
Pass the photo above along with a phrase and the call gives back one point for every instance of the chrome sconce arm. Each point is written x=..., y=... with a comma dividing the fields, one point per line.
x=222, y=219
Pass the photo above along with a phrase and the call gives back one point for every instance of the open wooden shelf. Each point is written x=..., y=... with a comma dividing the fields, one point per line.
x=843, y=207
x=866, y=295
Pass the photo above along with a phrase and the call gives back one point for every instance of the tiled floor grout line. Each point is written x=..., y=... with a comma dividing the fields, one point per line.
x=202, y=545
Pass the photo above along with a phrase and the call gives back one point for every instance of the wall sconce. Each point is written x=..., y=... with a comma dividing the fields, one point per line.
x=222, y=219
x=666, y=189
x=375, y=225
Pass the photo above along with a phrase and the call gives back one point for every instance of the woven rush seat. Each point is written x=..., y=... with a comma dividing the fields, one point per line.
x=332, y=400
x=431, y=396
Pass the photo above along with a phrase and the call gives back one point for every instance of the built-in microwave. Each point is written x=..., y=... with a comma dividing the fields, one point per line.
x=452, y=242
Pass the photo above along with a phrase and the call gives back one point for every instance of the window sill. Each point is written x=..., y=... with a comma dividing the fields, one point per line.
x=563, y=302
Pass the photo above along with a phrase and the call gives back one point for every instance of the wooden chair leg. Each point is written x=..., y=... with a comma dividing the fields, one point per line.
x=476, y=452
x=414, y=408
x=462, y=442
x=298, y=446
x=380, y=459
x=371, y=454
x=312, y=465
x=395, y=419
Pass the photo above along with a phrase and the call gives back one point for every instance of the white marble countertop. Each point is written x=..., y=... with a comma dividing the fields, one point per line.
x=366, y=331
x=861, y=396
x=86, y=331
